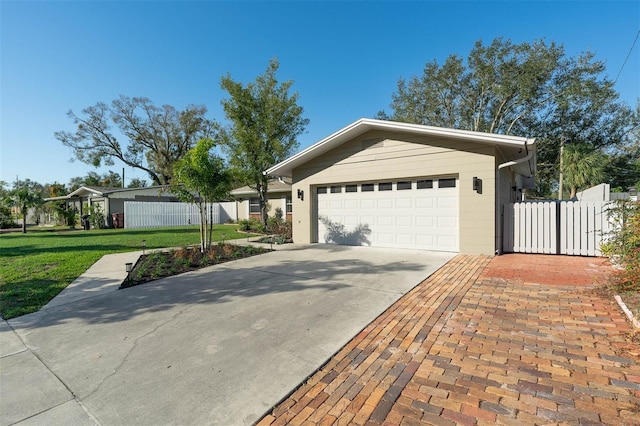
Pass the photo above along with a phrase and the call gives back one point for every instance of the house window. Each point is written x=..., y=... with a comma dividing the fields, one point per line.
x=385, y=186
x=403, y=185
x=366, y=187
x=336, y=189
x=447, y=183
x=322, y=190
x=254, y=206
x=424, y=184
x=289, y=204
x=351, y=188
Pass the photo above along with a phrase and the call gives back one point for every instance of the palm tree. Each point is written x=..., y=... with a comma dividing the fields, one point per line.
x=582, y=167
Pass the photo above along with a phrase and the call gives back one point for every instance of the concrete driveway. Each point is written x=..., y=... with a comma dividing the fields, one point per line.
x=221, y=345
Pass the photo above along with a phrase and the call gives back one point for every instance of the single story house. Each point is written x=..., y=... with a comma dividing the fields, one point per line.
x=111, y=200
x=278, y=196
x=390, y=184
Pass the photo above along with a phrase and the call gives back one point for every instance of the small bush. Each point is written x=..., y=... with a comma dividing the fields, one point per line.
x=6, y=220
x=96, y=217
x=251, y=225
x=624, y=245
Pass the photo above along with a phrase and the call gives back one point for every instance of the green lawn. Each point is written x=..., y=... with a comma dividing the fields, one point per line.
x=36, y=266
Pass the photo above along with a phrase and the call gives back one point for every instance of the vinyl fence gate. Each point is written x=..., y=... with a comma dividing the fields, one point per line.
x=565, y=227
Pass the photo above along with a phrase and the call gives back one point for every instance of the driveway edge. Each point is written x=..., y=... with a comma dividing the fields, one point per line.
x=627, y=312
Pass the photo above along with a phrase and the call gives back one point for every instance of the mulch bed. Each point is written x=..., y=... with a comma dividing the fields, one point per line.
x=161, y=264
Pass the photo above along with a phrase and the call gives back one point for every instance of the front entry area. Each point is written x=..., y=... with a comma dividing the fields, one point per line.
x=414, y=214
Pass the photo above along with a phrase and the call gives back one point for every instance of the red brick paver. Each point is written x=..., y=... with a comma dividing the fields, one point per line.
x=471, y=346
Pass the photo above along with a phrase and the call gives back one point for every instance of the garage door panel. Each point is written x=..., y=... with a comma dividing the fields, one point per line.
x=404, y=221
x=404, y=203
x=385, y=221
x=404, y=239
x=367, y=203
x=447, y=243
x=368, y=220
x=447, y=202
x=351, y=220
x=424, y=203
x=426, y=241
x=385, y=204
x=425, y=221
x=447, y=222
x=410, y=218
x=384, y=238
x=351, y=204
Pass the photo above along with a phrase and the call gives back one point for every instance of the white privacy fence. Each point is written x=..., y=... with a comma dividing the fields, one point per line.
x=138, y=214
x=567, y=227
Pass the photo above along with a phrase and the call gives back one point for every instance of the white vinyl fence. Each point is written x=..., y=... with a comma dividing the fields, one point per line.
x=138, y=214
x=567, y=227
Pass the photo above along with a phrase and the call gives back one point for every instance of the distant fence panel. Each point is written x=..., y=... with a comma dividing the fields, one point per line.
x=575, y=228
x=138, y=214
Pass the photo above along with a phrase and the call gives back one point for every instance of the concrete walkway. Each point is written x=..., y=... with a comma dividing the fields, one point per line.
x=221, y=345
x=481, y=342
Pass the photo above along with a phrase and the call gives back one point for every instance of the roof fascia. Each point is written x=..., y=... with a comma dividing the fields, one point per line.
x=365, y=124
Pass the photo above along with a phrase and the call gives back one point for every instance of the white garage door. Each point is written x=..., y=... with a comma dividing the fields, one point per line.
x=416, y=214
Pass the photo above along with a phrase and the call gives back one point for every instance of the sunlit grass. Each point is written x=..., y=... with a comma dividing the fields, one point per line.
x=36, y=266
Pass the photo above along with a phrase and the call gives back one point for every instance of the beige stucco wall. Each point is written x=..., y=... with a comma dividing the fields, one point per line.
x=406, y=157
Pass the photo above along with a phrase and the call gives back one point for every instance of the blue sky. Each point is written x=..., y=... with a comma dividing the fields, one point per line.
x=345, y=57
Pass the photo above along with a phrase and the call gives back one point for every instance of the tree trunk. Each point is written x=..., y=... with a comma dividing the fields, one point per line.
x=25, y=210
x=262, y=193
x=203, y=228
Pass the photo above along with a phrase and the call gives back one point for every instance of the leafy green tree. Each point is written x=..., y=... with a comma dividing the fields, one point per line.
x=6, y=218
x=265, y=123
x=156, y=136
x=528, y=89
x=137, y=183
x=107, y=180
x=201, y=177
x=25, y=195
x=55, y=189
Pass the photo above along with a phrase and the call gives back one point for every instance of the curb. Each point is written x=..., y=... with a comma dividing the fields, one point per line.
x=628, y=313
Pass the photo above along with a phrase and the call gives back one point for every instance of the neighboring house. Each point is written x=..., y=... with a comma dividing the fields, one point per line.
x=111, y=200
x=390, y=184
x=278, y=195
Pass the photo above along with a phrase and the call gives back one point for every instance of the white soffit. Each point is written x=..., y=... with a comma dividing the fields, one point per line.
x=365, y=124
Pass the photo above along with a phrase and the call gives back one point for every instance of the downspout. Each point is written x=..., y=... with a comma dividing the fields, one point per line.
x=527, y=157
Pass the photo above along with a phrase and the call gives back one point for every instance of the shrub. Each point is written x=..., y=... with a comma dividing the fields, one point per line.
x=278, y=214
x=96, y=217
x=623, y=244
x=251, y=224
x=6, y=220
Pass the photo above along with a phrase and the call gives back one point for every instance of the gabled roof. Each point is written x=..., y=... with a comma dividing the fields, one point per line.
x=275, y=185
x=100, y=191
x=363, y=125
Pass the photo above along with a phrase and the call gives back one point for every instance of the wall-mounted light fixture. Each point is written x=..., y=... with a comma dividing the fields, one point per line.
x=477, y=185
x=300, y=195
